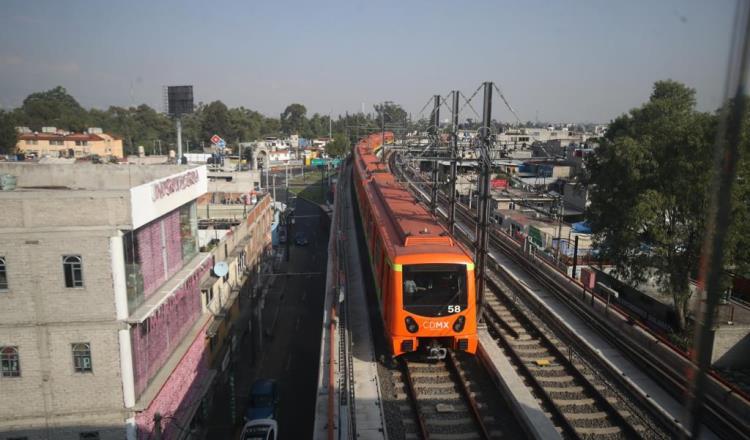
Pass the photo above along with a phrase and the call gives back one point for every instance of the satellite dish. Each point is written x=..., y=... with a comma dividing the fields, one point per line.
x=221, y=268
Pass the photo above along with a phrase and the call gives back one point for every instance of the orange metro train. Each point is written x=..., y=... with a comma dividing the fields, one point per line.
x=423, y=278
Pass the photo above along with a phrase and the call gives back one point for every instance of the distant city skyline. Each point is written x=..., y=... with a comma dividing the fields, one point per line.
x=581, y=61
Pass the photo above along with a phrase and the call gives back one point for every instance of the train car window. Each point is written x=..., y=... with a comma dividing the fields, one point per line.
x=434, y=289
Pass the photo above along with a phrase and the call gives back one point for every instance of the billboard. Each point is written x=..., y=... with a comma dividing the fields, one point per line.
x=179, y=100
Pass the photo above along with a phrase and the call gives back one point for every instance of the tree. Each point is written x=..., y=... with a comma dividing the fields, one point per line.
x=738, y=241
x=216, y=121
x=53, y=107
x=649, y=191
x=293, y=119
x=339, y=146
x=8, y=134
x=390, y=113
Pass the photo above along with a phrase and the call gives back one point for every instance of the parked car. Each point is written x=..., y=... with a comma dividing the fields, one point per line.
x=260, y=429
x=264, y=399
x=300, y=239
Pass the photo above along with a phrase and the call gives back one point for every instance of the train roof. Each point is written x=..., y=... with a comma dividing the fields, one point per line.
x=410, y=227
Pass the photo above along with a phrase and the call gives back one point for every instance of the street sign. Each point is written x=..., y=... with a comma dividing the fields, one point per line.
x=221, y=144
x=215, y=139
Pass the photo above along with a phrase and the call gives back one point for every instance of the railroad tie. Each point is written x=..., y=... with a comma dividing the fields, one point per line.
x=573, y=402
x=609, y=430
x=523, y=340
x=574, y=389
x=421, y=375
x=554, y=379
x=534, y=367
x=587, y=416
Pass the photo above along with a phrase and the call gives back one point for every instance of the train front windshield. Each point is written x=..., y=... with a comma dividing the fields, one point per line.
x=434, y=289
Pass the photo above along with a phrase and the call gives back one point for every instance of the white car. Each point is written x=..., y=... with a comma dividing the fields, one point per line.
x=260, y=429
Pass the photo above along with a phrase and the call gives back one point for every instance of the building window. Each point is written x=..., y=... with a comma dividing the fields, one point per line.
x=3, y=275
x=82, y=143
x=89, y=435
x=56, y=142
x=73, y=269
x=82, y=357
x=9, y=363
x=32, y=142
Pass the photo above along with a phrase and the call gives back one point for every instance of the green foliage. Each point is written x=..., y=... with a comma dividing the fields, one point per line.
x=738, y=240
x=339, y=146
x=55, y=108
x=649, y=195
x=8, y=135
x=293, y=118
x=142, y=125
x=390, y=113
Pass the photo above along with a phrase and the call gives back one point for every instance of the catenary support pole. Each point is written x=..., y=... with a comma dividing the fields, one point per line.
x=436, y=143
x=454, y=165
x=484, y=198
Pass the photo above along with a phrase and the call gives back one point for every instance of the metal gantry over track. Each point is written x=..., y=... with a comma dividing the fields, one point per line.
x=429, y=145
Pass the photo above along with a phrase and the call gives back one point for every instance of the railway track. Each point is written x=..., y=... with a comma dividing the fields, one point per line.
x=583, y=402
x=444, y=400
x=576, y=390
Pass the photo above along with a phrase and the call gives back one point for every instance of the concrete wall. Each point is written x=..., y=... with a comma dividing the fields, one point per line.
x=88, y=176
x=731, y=347
x=63, y=208
x=43, y=318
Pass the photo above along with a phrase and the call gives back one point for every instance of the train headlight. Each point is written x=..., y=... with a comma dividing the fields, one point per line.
x=458, y=325
x=411, y=324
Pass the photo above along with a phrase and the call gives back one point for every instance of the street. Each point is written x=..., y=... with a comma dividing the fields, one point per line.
x=290, y=353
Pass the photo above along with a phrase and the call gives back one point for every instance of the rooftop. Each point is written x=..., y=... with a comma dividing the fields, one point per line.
x=86, y=176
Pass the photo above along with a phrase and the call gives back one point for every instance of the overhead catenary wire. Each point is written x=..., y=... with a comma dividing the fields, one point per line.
x=468, y=102
x=507, y=104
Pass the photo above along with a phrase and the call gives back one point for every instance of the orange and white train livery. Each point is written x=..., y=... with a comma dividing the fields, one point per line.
x=424, y=279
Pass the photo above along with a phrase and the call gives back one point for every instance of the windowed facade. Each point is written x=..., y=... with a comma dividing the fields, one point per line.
x=73, y=270
x=9, y=362
x=3, y=275
x=82, y=357
x=157, y=250
x=82, y=143
x=57, y=143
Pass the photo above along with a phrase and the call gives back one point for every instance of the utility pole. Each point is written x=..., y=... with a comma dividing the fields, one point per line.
x=274, y=190
x=382, y=132
x=179, y=139
x=560, y=215
x=436, y=143
x=484, y=195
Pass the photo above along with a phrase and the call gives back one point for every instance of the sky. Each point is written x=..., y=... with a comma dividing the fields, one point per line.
x=572, y=60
